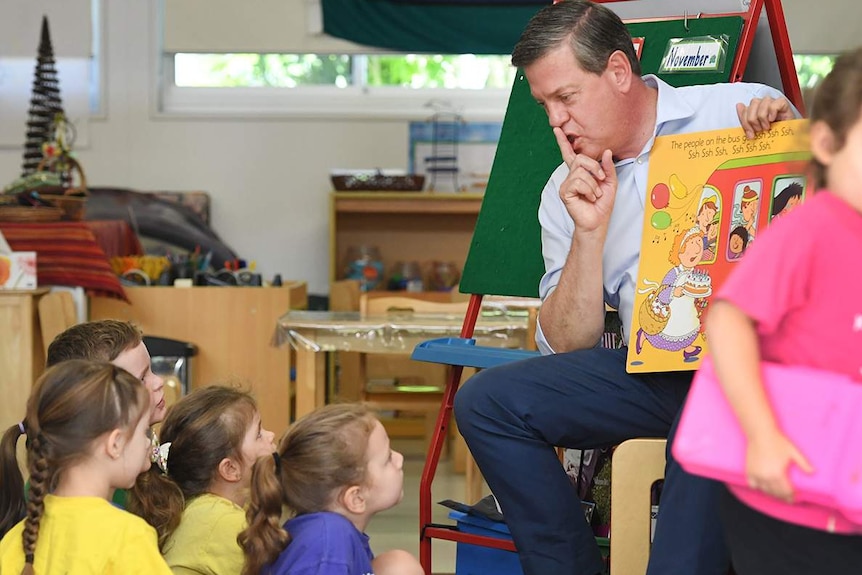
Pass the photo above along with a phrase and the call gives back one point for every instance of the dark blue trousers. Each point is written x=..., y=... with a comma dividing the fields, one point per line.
x=512, y=416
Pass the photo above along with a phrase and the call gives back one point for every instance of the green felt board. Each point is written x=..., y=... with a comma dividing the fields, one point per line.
x=505, y=255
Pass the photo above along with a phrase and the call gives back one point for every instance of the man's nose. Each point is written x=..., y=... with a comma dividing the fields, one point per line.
x=557, y=115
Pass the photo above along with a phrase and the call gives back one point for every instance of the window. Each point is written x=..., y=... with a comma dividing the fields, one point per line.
x=383, y=85
x=811, y=69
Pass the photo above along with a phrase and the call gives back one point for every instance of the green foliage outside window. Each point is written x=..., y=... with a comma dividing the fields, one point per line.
x=812, y=69
x=340, y=70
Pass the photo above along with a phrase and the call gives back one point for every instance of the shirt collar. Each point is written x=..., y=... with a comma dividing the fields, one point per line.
x=669, y=107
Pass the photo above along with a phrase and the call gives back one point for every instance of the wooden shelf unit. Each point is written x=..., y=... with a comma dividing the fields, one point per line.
x=21, y=352
x=404, y=226
x=232, y=328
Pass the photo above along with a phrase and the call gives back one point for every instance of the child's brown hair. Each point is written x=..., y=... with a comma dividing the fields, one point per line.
x=101, y=340
x=837, y=102
x=321, y=454
x=203, y=428
x=71, y=405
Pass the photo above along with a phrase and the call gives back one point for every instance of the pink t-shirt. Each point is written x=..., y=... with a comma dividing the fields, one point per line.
x=800, y=283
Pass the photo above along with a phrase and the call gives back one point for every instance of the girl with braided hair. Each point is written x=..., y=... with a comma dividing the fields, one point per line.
x=87, y=429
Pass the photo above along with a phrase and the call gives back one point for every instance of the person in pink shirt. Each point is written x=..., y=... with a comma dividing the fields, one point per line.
x=794, y=300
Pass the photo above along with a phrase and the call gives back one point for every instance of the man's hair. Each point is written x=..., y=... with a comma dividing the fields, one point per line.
x=101, y=340
x=593, y=32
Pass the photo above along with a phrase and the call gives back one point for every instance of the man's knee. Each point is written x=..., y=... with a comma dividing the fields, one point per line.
x=472, y=399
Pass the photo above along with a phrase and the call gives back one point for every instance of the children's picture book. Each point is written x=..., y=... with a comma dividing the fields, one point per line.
x=709, y=195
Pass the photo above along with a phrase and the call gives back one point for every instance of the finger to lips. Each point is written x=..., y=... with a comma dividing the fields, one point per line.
x=565, y=147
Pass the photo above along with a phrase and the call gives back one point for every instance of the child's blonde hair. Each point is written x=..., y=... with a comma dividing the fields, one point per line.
x=321, y=454
x=203, y=428
x=71, y=405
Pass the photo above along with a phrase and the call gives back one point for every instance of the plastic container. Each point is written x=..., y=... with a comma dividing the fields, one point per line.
x=364, y=264
x=478, y=560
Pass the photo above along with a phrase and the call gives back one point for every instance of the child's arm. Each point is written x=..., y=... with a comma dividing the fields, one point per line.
x=736, y=355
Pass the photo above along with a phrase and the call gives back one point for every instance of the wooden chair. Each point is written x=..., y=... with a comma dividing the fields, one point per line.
x=636, y=465
x=56, y=314
x=418, y=388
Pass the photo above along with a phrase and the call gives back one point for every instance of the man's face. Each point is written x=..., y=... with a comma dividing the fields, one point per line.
x=581, y=104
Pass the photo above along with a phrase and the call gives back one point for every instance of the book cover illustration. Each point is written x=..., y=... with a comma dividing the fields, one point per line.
x=709, y=195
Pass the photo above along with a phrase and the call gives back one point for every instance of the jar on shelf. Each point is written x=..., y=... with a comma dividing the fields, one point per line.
x=406, y=276
x=443, y=276
x=364, y=264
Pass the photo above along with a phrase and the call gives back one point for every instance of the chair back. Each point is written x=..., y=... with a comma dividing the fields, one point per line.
x=56, y=315
x=371, y=305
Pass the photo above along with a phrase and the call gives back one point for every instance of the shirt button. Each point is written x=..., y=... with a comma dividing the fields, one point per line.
x=640, y=160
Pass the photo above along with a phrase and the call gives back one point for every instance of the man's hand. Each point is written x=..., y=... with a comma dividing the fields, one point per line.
x=760, y=113
x=589, y=190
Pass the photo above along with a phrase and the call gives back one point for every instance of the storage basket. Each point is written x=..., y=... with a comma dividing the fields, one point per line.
x=377, y=182
x=70, y=200
x=30, y=214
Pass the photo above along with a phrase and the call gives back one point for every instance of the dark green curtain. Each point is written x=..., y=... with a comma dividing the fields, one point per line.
x=424, y=28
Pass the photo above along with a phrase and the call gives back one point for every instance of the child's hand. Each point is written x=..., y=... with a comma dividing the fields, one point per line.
x=767, y=464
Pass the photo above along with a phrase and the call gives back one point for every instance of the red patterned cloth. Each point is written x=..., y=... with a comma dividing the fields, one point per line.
x=116, y=238
x=67, y=253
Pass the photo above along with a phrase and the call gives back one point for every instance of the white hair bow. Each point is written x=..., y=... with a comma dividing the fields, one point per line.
x=162, y=456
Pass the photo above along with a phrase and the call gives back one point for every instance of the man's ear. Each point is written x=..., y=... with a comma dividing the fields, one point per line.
x=353, y=499
x=822, y=140
x=620, y=69
x=230, y=470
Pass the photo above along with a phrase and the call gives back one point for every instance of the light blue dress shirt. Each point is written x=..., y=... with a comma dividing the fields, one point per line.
x=679, y=111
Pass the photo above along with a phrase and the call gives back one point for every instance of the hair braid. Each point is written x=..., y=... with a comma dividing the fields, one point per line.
x=40, y=484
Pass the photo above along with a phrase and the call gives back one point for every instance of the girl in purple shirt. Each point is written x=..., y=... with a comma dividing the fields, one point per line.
x=334, y=470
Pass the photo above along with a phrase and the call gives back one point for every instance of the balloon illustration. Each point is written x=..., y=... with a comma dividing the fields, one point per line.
x=660, y=220
x=677, y=187
x=660, y=196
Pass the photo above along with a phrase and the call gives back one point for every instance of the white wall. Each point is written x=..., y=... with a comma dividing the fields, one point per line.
x=268, y=179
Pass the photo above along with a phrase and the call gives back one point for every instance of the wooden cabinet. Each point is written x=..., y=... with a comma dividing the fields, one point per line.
x=22, y=358
x=404, y=226
x=232, y=328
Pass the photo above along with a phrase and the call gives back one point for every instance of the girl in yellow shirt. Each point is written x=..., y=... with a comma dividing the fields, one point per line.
x=87, y=429
x=195, y=498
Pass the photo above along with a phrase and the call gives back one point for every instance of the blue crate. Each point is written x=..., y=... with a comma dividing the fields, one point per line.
x=477, y=560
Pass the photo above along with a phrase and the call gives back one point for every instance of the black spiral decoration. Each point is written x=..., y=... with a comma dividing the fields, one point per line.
x=45, y=103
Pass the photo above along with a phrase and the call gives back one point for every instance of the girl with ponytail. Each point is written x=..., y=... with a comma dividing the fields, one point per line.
x=333, y=472
x=196, y=496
